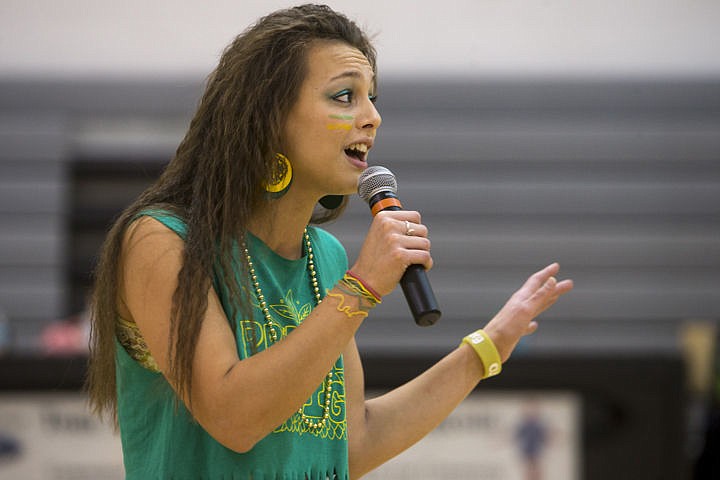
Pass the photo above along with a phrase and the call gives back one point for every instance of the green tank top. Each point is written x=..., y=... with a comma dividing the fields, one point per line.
x=161, y=441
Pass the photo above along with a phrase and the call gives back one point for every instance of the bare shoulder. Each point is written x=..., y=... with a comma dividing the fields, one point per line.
x=151, y=258
x=148, y=234
x=149, y=247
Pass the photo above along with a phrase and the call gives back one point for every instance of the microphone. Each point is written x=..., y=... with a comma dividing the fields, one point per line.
x=378, y=187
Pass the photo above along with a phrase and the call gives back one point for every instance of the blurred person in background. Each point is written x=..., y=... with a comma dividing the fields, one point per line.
x=223, y=320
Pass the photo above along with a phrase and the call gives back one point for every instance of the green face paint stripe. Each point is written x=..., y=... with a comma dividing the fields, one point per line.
x=342, y=117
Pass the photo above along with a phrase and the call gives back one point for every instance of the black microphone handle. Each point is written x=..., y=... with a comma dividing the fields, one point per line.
x=415, y=285
x=419, y=295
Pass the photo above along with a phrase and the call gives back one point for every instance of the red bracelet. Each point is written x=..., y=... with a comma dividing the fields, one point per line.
x=362, y=282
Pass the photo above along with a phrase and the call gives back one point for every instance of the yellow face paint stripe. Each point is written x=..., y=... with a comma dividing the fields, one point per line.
x=339, y=126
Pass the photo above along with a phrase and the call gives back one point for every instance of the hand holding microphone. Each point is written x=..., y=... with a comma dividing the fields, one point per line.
x=378, y=187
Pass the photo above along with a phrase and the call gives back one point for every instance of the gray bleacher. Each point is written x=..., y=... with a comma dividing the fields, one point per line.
x=617, y=179
x=33, y=211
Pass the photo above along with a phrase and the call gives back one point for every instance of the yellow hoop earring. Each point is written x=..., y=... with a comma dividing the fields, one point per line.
x=281, y=177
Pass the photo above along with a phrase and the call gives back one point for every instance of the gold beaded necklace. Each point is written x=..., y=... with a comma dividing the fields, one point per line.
x=327, y=385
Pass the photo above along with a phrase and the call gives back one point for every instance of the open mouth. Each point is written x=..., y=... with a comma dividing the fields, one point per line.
x=357, y=151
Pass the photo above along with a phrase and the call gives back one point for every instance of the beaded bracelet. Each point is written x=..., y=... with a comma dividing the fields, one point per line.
x=486, y=350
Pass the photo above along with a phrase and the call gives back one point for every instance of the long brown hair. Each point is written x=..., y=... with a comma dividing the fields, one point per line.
x=214, y=182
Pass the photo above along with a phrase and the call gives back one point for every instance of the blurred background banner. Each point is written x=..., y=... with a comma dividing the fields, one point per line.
x=52, y=436
x=584, y=132
x=500, y=436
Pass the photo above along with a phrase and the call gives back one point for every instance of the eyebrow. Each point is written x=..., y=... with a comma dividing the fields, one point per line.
x=351, y=74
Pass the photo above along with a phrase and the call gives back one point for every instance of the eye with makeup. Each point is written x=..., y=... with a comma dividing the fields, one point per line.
x=346, y=96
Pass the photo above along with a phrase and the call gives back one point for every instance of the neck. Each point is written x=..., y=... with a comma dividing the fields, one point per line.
x=280, y=224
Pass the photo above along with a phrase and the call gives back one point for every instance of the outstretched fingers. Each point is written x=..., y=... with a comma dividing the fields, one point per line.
x=540, y=278
x=543, y=289
x=518, y=317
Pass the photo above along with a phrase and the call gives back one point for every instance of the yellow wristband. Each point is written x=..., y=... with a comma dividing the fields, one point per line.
x=486, y=350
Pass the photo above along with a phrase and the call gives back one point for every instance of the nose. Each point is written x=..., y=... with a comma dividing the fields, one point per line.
x=370, y=117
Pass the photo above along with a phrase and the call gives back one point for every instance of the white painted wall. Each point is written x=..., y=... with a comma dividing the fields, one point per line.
x=132, y=38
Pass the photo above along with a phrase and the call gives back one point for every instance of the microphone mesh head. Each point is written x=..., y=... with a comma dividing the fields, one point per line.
x=376, y=179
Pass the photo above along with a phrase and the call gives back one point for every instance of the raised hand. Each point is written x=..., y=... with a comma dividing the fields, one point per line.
x=517, y=317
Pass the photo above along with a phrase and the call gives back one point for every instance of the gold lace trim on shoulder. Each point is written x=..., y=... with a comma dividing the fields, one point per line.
x=131, y=339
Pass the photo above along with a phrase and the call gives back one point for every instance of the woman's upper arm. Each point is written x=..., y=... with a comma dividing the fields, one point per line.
x=151, y=260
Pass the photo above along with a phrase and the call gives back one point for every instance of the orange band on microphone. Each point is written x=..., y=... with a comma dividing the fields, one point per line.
x=385, y=203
